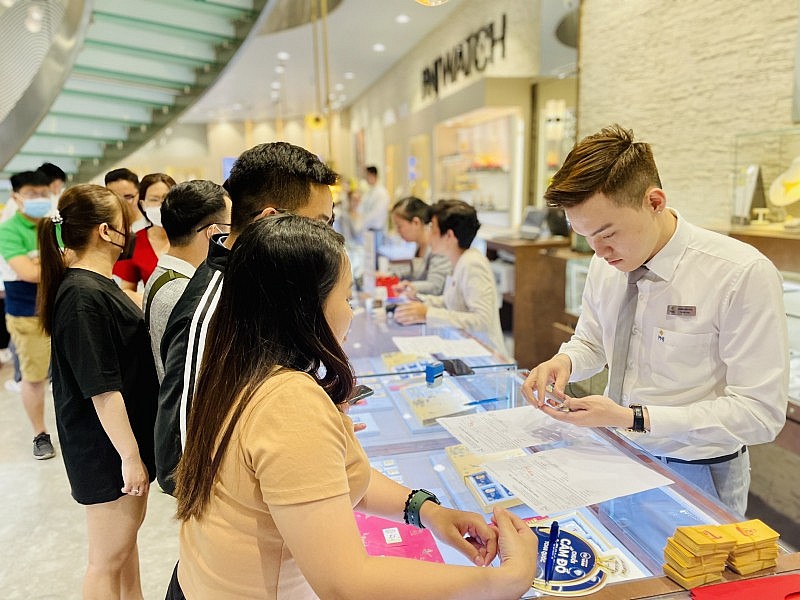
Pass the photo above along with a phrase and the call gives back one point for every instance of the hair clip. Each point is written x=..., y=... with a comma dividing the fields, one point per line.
x=56, y=217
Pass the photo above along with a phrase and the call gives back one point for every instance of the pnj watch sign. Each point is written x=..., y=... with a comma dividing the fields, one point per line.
x=476, y=51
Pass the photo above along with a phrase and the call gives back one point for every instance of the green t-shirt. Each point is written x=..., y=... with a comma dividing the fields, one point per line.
x=18, y=238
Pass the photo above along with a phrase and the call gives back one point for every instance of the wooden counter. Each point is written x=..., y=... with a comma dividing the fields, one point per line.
x=780, y=246
x=538, y=298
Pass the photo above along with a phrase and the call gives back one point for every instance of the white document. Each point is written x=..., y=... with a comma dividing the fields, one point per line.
x=567, y=478
x=501, y=430
x=430, y=344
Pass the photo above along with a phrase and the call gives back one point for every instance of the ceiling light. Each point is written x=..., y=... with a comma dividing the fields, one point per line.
x=280, y=69
x=339, y=87
x=402, y=19
x=431, y=2
x=349, y=75
x=34, y=18
x=378, y=47
x=237, y=106
x=283, y=55
x=7, y=3
x=275, y=85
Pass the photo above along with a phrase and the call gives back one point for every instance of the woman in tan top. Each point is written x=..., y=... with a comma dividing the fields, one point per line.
x=272, y=470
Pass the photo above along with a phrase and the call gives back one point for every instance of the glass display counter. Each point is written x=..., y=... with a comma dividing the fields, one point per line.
x=396, y=424
x=372, y=350
x=628, y=532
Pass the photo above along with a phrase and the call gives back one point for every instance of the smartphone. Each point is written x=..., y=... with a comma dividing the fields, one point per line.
x=359, y=393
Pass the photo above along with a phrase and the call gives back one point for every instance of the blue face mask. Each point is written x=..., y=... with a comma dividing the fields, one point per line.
x=36, y=208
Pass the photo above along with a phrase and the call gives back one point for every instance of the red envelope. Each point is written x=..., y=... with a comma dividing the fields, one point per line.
x=780, y=587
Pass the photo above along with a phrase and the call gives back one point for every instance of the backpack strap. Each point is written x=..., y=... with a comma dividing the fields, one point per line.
x=165, y=277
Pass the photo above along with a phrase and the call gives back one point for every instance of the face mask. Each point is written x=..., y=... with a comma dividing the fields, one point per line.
x=127, y=248
x=36, y=208
x=153, y=214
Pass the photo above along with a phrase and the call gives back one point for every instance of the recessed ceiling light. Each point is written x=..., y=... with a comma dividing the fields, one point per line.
x=237, y=106
x=378, y=47
x=275, y=85
x=283, y=55
x=280, y=69
x=349, y=75
x=431, y=2
x=342, y=97
x=402, y=19
x=339, y=87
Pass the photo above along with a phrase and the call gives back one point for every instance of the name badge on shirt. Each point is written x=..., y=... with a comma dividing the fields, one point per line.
x=674, y=310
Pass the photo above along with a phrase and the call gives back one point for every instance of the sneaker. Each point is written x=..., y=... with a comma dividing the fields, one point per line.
x=13, y=386
x=42, y=448
x=5, y=355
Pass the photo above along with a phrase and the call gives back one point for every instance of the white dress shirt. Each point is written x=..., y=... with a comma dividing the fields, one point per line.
x=373, y=212
x=709, y=345
x=469, y=301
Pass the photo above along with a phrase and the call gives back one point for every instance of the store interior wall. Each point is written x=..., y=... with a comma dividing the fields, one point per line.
x=688, y=77
x=192, y=150
x=398, y=93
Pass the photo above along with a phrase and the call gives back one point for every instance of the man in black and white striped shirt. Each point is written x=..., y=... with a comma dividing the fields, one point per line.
x=264, y=180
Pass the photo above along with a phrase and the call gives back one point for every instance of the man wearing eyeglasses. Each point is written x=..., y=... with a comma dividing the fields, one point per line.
x=264, y=180
x=125, y=184
x=192, y=212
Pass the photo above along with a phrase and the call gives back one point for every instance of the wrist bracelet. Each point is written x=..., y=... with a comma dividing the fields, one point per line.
x=414, y=502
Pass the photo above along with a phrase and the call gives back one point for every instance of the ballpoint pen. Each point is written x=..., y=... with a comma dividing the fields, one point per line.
x=484, y=401
x=552, y=551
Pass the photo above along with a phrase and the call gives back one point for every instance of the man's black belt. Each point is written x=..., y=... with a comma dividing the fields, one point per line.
x=705, y=461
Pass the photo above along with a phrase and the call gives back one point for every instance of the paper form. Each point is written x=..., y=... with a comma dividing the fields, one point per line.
x=431, y=344
x=501, y=430
x=567, y=478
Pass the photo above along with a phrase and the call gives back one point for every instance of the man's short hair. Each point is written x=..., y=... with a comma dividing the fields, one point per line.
x=459, y=217
x=608, y=162
x=122, y=174
x=53, y=172
x=190, y=205
x=31, y=178
x=277, y=175
x=372, y=170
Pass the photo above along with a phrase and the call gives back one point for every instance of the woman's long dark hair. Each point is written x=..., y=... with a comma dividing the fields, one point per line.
x=81, y=209
x=270, y=316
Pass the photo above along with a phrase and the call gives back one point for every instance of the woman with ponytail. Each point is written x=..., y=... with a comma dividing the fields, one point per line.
x=104, y=381
x=429, y=271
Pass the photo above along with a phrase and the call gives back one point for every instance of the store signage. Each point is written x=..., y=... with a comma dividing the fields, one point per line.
x=476, y=51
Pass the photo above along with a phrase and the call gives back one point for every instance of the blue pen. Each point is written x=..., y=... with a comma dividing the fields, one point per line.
x=484, y=401
x=552, y=551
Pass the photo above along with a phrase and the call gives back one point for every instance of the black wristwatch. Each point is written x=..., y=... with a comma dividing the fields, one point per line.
x=414, y=502
x=638, y=419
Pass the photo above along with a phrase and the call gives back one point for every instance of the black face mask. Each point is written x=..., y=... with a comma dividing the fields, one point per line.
x=127, y=249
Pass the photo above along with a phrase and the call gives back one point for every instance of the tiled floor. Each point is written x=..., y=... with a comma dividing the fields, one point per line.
x=43, y=530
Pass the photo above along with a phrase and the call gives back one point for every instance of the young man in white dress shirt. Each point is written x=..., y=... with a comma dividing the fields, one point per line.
x=707, y=368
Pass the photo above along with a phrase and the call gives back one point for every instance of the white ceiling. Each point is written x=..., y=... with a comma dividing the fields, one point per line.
x=244, y=90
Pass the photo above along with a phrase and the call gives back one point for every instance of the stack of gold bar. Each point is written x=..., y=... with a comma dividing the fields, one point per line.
x=696, y=555
x=756, y=546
